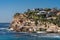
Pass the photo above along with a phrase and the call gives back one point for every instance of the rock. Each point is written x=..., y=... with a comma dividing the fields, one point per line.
x=58, y=13
x=23, y=24
x=11, y=29
x=58, y=29
x=52, y=28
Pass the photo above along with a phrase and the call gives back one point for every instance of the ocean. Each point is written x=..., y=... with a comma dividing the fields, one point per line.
x=6, y=34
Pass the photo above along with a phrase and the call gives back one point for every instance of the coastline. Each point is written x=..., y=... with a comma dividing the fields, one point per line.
x=36, y=21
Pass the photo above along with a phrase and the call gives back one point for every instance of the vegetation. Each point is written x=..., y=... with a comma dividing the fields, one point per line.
x=17, y=14
x=32, y=14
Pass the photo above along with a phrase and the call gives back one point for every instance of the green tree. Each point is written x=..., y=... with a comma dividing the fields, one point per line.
x=47, y=9
x=17, y=14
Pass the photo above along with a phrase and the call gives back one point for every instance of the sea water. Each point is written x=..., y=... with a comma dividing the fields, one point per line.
x=6, y=34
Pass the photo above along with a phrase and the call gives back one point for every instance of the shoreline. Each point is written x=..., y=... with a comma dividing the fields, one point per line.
x=37, y=20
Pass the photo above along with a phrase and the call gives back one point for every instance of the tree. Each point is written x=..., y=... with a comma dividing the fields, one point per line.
x=36, y=22
x=17, y=14
x=47, y=9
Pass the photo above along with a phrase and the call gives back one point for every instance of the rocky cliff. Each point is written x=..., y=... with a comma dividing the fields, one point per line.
x=23, y=24
x=31, y=22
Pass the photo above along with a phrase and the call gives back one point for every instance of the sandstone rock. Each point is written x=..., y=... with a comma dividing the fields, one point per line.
x=58, y=29
x=52, y=28
x=58, y=13
x=23, y=24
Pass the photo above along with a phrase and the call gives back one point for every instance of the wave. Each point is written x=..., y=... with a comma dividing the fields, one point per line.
x=10, y=30
x=48, y=35
x=4, y=29
x=42, y=36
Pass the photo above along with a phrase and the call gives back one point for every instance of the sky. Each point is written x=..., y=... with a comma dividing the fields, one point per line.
x=9, y=7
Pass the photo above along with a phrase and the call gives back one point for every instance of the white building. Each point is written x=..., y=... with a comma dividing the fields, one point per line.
x=41, y=12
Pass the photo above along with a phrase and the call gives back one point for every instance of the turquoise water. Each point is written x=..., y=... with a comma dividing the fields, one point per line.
x=5, y=34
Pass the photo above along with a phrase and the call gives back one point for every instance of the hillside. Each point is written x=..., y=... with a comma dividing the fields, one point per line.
x=39, y=19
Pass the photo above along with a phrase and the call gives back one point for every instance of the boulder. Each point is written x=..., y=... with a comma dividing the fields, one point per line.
x=52, y=28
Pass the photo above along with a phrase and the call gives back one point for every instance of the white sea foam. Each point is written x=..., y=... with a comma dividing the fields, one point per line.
x=10, y=29
x=46, y=35
x=2, y=28
x=34, y=35
x=5, y=29
x=37, y=34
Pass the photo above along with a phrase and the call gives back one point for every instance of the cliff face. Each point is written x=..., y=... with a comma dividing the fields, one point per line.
x=23, y=24
x=36, y=20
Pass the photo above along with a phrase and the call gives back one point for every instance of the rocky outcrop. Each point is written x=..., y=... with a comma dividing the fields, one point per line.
x=52, y=28
x=23, y=24
x=58, y=13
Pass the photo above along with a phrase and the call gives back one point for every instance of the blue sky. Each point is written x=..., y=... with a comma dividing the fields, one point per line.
x=9, y=7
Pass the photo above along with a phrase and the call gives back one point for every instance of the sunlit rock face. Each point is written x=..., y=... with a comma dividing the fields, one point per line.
x=47, y=20
x=23, y=24
x=52, y=28
x=58, y=13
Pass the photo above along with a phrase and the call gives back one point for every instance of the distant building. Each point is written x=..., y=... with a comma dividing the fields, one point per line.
x=41, y=12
